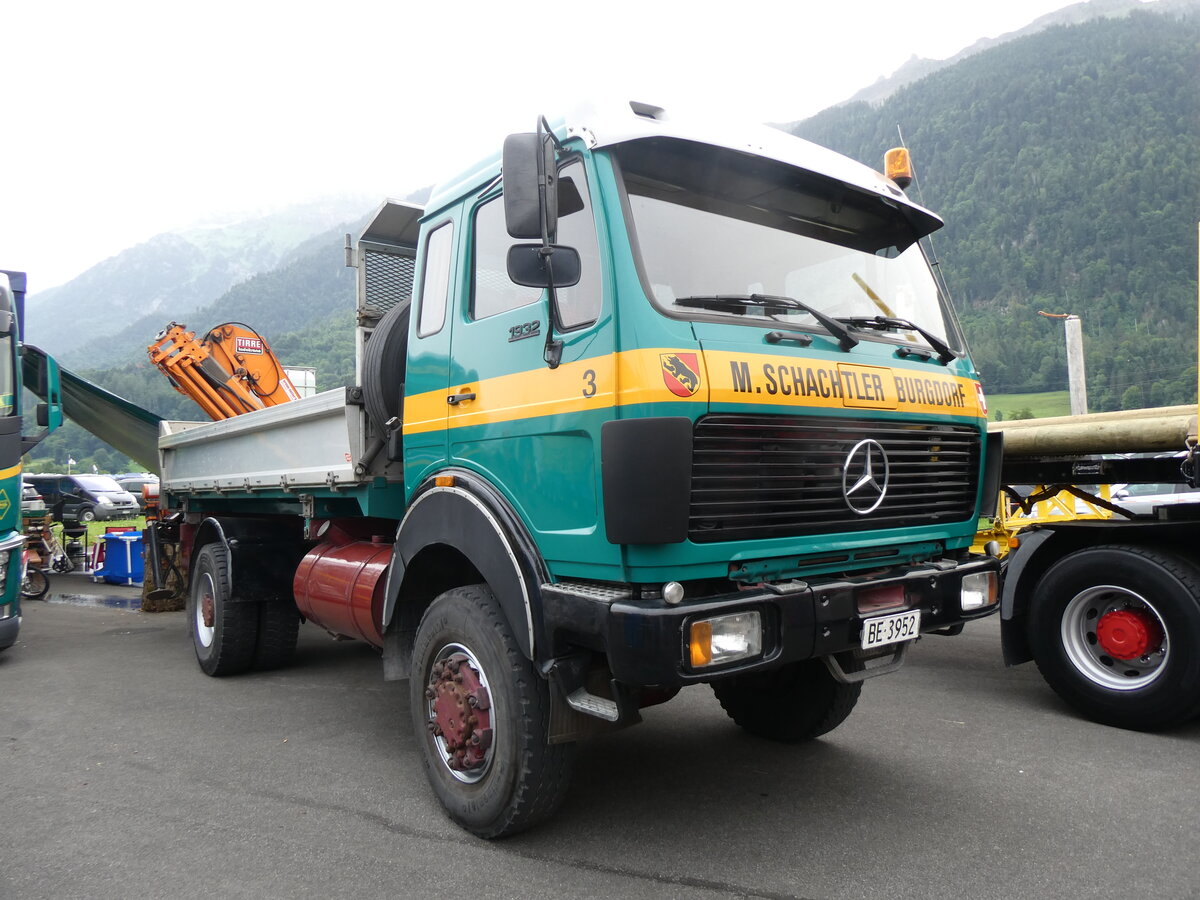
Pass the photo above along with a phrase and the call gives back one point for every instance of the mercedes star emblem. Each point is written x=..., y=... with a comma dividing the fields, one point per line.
x=865, y=476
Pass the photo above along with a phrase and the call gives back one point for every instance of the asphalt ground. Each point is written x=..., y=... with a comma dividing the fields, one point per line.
x=127, y=773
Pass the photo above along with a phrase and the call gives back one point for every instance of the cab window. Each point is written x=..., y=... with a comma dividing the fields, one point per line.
x=492, y=292
x=580, y=304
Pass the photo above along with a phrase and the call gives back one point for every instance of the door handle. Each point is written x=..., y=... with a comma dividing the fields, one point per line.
x=455, y=399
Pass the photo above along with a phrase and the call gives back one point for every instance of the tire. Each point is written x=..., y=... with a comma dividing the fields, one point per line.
x=1152, y=596
x=224, y=633
x=86, y=514
x=797, y=703
x=35, y=584
x=512, y=779
x=278, y=629
x=384, y=359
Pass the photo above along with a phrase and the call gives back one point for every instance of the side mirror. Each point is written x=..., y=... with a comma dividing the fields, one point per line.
x=523, y=209
x=43, y=415
x=527, y=265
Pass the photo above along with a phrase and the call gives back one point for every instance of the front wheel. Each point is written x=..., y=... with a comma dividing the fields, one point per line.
x=798, y=702
x=34, y=584
x=86, y=514
x=481, y=715
x=1115, y=631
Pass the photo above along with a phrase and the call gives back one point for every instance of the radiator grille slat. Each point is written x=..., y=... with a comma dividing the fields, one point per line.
x=757, y=477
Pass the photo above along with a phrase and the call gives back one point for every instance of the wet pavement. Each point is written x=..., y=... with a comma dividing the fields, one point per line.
x=84, y=589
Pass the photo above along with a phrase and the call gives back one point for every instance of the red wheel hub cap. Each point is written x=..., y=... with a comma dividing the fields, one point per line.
x=460, y=712
x=1129, y=633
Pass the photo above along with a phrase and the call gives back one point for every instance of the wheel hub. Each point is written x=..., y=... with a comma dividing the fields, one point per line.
x=460, y=713
x=207, y=611
x=1129, y=633
x=1115, y=638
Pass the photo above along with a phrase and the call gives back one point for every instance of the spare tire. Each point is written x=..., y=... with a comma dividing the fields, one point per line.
x=384, y=359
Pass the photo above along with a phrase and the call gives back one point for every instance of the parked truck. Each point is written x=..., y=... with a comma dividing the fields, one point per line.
x=1109, y=607
x=639, y=404
x=14, y=443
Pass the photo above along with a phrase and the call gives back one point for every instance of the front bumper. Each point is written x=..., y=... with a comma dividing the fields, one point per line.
x=646, y=644
x=9, y=628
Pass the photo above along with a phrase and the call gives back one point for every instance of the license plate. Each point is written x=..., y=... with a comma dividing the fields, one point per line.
x=891, y=629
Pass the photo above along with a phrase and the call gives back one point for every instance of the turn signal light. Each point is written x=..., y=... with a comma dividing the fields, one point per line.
x=725, y=639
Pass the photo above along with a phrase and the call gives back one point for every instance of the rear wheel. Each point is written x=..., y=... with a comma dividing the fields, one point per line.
x=278, y=628
x=481, y=715
x=796, y=703
x=34, y=584
x=1115, y=631
x=224, y=632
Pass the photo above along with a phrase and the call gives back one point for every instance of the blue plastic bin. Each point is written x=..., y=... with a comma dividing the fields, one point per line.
x=122, y=559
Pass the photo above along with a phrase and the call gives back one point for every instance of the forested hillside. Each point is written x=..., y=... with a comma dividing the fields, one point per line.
x=1065, y=165
x=171, y=275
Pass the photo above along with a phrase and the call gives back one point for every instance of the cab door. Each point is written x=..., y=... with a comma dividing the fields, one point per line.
x=428, y=365
x=531, y=428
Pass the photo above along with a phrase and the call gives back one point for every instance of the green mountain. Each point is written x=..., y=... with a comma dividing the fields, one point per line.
x=170, y=276
x=918, y=67
x=1065, y=166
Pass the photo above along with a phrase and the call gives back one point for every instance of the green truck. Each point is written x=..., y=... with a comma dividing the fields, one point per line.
x=640, y=404
x=14, y=443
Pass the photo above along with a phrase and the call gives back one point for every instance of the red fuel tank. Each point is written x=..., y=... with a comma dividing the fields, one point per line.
x=339, y=586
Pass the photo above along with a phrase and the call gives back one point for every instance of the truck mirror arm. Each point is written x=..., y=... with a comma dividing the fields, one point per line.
x=552, y=351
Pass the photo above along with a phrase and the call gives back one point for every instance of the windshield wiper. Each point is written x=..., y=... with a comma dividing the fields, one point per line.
x=770, y=303
x=887, y=323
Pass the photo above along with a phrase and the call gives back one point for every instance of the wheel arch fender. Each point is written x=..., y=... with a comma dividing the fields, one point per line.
x=1024, y=566
x=262, y=553
x=473, y=518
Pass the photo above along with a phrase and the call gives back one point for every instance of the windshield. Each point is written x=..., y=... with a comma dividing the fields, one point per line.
x=739, y=225
x=101, y=483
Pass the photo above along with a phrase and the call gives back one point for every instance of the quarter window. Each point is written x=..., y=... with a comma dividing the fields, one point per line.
x=435, y=282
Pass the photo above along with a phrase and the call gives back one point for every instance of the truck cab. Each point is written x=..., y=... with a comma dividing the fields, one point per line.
x=754, y=387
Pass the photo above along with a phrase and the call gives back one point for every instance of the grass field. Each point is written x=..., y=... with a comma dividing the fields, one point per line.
x=1029, y=406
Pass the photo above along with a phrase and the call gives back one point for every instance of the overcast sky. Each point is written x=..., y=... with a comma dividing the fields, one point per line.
x=127, y=119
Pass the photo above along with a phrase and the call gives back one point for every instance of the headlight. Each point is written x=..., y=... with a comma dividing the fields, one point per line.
x=5, y=555
x=105, y=501
x=978, y=590
x=724, y=639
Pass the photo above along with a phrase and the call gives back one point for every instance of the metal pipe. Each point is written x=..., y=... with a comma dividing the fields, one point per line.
x=1126, y=431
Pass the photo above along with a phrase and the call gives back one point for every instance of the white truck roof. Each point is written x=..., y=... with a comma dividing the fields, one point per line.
x=605, y=125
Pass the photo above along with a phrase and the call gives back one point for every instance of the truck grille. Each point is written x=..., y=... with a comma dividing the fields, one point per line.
x=756, y=477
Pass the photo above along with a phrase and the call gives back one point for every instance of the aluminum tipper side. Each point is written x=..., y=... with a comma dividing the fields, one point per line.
x=307, y=443
x=639, y=405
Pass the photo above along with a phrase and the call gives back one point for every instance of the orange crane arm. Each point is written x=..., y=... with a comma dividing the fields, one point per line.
x=230, y=371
